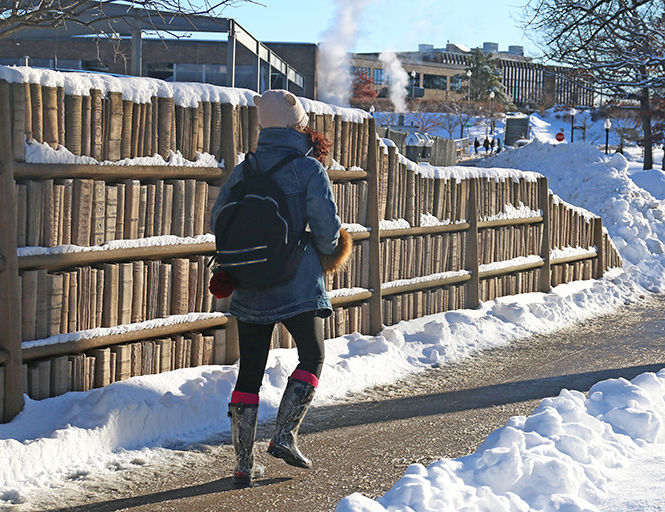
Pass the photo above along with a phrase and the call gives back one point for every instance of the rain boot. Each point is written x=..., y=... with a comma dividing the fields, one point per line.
x=292, y=409
x=243, y=431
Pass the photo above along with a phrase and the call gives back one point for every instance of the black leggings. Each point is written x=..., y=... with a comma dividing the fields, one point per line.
x=254, y=341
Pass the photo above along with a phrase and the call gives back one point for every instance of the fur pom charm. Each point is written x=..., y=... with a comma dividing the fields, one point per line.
x=341, y=254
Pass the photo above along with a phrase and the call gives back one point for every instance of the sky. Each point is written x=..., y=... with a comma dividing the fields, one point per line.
x=389, y=24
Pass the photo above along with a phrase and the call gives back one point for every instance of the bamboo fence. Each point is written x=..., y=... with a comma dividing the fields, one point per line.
x=394, y=274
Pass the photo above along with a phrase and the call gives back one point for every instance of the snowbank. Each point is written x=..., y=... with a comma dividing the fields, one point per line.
x=562, y=457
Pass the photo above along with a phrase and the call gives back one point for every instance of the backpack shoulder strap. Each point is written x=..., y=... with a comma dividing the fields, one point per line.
x=282, y=163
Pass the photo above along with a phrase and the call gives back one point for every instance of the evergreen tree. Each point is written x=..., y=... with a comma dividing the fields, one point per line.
x=486, y=76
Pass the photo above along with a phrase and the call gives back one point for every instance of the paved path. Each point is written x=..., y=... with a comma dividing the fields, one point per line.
x=365, y=443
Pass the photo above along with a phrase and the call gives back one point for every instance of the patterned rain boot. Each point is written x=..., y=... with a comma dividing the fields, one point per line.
x=243, y=431
x=297, y=396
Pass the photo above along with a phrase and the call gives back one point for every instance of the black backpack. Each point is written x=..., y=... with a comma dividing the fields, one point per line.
x=255, y=242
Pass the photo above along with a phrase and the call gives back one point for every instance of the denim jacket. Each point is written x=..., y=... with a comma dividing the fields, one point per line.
x=306, y=186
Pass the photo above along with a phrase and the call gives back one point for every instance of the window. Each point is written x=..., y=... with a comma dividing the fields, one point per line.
x=214, y=74
x=457, y=82
x=162, y=71
x=435, y=82
x=378, y=76
x=358, y=71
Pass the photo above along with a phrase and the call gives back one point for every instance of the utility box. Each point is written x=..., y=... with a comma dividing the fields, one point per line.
x=517, y=127
x=419, y=147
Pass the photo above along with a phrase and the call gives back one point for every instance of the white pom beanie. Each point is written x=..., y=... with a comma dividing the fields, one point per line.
x=280, y=108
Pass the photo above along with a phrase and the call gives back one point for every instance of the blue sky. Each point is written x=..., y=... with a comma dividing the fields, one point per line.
x=389, y=24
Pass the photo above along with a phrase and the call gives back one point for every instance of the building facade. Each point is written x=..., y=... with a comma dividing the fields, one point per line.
x=441, y=73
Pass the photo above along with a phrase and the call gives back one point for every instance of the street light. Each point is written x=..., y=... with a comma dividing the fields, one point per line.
x=468, y=93
x=371, y=110
x=491, y=112
x=413, y=83
x=607, y=125
x=572, y=124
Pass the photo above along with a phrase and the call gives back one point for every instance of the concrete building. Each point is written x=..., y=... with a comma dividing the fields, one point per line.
x=441, y=72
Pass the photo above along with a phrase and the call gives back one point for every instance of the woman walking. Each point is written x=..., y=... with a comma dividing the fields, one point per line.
x=301, y=302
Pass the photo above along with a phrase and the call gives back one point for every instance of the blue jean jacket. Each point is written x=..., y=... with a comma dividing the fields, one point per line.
x=306, y=186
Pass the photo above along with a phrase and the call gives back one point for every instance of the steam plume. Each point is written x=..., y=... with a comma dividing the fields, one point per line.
x=398, y=78
x=334, y=70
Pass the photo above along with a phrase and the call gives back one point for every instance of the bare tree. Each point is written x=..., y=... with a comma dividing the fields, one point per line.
x=617, y=44
x=463, y=112
x=99, y=16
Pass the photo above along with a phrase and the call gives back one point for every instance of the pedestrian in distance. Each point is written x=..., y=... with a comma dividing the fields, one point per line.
x=492, y=144
x=486, y=145
x=476, y=144
x=499, y=145
x=292, y=290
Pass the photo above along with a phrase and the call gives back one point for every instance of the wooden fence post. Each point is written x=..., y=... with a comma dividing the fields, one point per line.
x=599, y=242
x=10, y=341
x=545, y=284
x=373, y=222
x=472, y=295
x=229, y=147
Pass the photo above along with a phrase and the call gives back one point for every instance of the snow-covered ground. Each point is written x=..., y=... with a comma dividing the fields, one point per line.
x=573, y=453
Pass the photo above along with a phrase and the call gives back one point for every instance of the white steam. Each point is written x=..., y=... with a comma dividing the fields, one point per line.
x=398, y=79
x=334, y=70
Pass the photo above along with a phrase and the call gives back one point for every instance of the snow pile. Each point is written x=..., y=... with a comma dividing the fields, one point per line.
x=586, y=177
x=561, y=457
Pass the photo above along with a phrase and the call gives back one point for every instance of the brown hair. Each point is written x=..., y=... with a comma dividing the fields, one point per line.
x=320, y=145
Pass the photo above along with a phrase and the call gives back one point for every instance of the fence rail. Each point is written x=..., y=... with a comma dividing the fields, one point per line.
x=394, y=274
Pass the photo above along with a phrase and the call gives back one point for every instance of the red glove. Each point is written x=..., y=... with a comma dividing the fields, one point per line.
x=221, y=284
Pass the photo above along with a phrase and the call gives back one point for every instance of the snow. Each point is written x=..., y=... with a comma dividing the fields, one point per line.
x=424, y=279
x=346, y=292
x=142, y=89
x=151, y=241
x=574, y=453
x=522, y=211
x=119, y=329
x=562, y=457
x=514, y=262
x=36, y=153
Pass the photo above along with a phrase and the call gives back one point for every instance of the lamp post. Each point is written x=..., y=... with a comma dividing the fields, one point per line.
x=468, y=92
x=491, y=112
x=572, y=124
x=607, y=125
x=413, y=84
x=371, y=110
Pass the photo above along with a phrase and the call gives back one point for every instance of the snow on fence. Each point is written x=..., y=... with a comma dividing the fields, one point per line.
x=103, y=267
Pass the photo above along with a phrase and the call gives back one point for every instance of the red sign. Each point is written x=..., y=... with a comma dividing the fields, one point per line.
x=559, y=136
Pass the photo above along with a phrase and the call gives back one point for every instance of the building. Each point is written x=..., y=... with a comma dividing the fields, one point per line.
x=441, y=73
x=436, y=73
x=110, y=38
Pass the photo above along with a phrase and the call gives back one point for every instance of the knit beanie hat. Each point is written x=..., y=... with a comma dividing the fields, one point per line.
x=280, y=108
